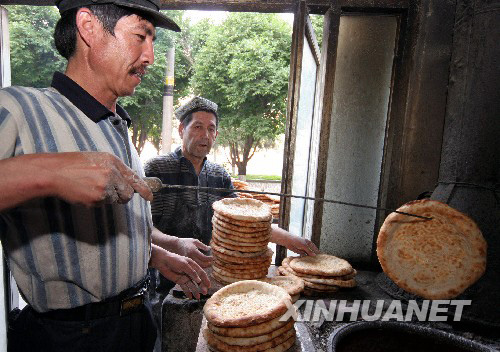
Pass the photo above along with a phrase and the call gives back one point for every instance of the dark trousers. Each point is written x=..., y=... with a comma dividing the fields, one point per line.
x=133, y=332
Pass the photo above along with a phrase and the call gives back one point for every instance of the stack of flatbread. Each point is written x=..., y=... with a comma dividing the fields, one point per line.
x=293, y=285
x=241, y=185
x=322, y=274
x=271, y=200
x=435, y=259
x=240, y=238
x=246, y=317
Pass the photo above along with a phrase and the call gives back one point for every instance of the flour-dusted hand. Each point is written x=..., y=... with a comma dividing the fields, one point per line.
x=182, y=270
x=88, y=178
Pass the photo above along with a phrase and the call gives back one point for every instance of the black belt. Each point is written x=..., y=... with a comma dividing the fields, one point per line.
x=124, y=303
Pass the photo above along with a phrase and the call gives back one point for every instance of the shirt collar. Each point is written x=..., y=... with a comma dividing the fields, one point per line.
x=83, y=100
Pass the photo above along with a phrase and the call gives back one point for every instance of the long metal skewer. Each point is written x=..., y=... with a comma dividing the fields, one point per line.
x=156, y=185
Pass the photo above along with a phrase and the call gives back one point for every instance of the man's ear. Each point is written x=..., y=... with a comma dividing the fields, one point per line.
x=181, y=129
x=86, y=23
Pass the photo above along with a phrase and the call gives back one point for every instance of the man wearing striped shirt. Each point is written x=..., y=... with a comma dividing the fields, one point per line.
x=78, y=240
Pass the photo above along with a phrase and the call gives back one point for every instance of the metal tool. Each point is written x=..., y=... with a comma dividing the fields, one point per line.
x=155, y=184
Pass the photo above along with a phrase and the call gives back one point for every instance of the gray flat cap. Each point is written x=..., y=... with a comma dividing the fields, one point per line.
x=195, y=104
x=150, y=7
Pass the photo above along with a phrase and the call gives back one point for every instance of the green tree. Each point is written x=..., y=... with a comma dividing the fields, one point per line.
x=34, y=57
x=317, y=23
x=244, y=67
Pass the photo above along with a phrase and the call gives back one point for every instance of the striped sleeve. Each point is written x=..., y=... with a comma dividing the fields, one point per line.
x=8, y=132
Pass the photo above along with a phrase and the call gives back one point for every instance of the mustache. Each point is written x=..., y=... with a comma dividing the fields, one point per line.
x=141, y=70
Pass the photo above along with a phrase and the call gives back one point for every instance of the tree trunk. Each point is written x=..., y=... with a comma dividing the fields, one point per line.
x=134, y=135
x=242, y=168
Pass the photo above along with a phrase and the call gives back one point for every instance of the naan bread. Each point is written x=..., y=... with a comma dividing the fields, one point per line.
x=239, y=248
x=237, y=242
x=248, y=275
x=243, y=209
x=239, y=266
x=247, y=223
x=291, y=284
x=240, y=226
x=250, y=331
x=272, y=345
x=242, y=260
x=286, y=266
x=236, y=253
x=246, y=303
x=321, y=264
x=232, y=278
x=434, y=259
x=250, y=231
x=256, y=340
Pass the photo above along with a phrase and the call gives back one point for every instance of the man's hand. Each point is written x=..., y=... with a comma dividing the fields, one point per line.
x=294, y=243
x=93, y=178
x=88, y=178
x=188, y=247
x=182, y=270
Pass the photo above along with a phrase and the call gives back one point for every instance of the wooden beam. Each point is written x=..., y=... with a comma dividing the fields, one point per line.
x=28, y=2
x=327, y=71
x=314, y=6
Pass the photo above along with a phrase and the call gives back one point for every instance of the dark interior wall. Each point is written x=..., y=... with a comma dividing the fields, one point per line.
x=419, y=102
x=469, y=176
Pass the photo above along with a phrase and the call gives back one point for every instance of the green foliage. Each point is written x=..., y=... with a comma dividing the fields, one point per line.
x=34, y=57
x=263, y=177
x=244, y=67
x=317, y=23
x=242, y=64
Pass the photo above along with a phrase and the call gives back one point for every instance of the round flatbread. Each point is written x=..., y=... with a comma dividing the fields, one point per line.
x=322, y=281
x=243, y=209
x=332, y=282
x=236, y=222
x=242, y=268
x=246, y=239
x=252, y=231
x=230, y=225
x=321, y=264
x=320, y=287
x=229, y=279
x=219, y=345
x=291, y=284
x=286, y=266
x=247, y=275
x=224, y=238
x=434, y=259
x=256, y=340
x=238, y=266
x=222, y=281
x=239, y=248
x=246, y=303
x=235, y=253
x=250, y=331
x=242, y=260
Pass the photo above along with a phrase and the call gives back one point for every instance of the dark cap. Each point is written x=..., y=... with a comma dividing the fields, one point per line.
x=196, y=104
x=150, y=7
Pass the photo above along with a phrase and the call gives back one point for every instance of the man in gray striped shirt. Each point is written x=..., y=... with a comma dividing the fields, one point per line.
x=78, y=240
